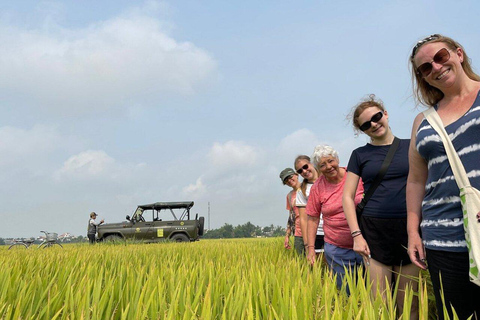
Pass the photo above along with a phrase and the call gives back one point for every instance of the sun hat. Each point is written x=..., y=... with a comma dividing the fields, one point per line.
x=93, y=214
x=287, y=172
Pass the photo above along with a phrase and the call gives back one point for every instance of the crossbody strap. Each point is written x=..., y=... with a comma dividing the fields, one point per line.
x=383, y=170
x=455, y=163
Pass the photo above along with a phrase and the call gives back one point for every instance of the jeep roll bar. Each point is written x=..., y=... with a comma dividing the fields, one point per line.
x=187, y=205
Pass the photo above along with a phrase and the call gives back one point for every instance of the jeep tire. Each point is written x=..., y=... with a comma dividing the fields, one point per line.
x=180, y=237
x=113, y=238
x=201, y=225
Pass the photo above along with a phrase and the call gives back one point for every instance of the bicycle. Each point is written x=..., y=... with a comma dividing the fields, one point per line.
x=51, y=239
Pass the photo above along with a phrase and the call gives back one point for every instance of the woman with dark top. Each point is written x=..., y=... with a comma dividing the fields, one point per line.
x=443, y=79
x=381, y=234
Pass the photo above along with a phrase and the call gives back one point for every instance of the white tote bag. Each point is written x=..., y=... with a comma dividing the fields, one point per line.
x=469, y=196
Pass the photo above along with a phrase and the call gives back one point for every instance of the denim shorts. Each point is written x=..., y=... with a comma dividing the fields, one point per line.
x=340, y=258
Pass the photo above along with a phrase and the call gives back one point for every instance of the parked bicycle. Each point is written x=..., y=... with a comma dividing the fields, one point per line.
x=50, y=240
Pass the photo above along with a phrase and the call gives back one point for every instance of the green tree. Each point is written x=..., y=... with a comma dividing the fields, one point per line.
x=247, y=230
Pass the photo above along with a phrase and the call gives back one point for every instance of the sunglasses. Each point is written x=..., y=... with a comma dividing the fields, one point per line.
x=375, y=118
x=421, y=42
x=288, y=179
x=440, y=57
x=305, y=167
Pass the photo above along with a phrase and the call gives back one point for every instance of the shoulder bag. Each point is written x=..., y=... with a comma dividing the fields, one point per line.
x=469, y=196
x=379, y=177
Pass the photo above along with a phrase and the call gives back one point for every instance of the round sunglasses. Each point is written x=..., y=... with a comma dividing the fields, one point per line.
x=375, y=118
x=305, y=167
x=440, y=57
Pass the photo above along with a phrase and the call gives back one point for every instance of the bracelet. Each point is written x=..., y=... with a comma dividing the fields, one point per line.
x=356, y=233
x=310, y=246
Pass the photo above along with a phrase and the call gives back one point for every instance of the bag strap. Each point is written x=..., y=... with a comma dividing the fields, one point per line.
x=455, y=163
x=383, y=170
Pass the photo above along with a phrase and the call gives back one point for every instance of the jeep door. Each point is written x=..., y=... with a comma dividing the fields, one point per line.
x=160, y=230
x=140, y=227
x=162, y=225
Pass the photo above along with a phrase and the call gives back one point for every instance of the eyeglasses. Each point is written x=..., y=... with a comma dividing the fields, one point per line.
x=440, y=57
x=375, y=118
x=421, y=42
x=305, y=167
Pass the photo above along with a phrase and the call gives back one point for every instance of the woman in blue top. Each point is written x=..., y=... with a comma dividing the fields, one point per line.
x=443, y=79
x=382, y=238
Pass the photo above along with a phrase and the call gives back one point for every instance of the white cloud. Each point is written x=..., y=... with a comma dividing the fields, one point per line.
x=97, y=165
x=86, y=164
x=196, y=190
x=232, y=154
x=104, y=66
x=30, y=149
x=302, y=141
x=16, y=142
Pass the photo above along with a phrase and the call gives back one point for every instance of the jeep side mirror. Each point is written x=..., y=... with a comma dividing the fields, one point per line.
x=127, y=217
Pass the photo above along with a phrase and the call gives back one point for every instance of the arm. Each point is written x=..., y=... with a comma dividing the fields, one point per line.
x=288, y=232
x=291, y=219
x=312, y=225
x=360, y=246
x=97, y=223
x=301, y=202
x=312, y=212
x=417, y=177
x=303, y=224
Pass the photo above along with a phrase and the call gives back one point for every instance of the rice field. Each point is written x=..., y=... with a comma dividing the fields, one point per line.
x=209, y=279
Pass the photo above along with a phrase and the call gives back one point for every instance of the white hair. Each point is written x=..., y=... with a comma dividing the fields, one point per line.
x=321, y=151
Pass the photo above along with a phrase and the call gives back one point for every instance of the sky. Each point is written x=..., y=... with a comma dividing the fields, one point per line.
x=105, y=105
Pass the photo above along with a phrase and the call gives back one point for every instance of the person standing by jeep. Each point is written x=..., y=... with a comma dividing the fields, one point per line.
x=92, y=227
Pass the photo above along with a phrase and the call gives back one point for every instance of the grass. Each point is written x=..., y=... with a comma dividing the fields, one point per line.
x=209, y=279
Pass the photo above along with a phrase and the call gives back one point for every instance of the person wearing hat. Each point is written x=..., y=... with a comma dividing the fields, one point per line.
x=290, y=178
x=92, y=227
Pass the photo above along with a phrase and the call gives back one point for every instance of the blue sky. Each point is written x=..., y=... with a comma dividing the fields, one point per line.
x=105, y=105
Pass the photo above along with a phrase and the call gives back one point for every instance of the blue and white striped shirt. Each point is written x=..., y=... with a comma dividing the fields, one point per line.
x=442, y=224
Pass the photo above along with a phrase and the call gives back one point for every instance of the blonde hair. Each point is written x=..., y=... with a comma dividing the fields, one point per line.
x=303, y=186
x=423, y=92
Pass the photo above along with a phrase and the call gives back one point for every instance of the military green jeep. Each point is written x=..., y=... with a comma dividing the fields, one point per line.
x=149, y=223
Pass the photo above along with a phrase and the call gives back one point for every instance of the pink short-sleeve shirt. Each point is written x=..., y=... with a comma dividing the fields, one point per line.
x=326, y=198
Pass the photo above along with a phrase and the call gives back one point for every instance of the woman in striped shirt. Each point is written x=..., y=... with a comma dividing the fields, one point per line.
x=443, y=79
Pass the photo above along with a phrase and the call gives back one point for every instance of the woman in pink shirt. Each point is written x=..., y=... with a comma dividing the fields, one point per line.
x=326, y=198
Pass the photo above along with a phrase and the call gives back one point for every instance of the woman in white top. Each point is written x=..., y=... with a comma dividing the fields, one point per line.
x=305, y=168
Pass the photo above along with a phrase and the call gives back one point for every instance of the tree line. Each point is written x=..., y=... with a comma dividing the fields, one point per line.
x=247, y=230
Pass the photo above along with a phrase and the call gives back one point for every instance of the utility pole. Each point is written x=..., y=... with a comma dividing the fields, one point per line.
x=208, y=215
